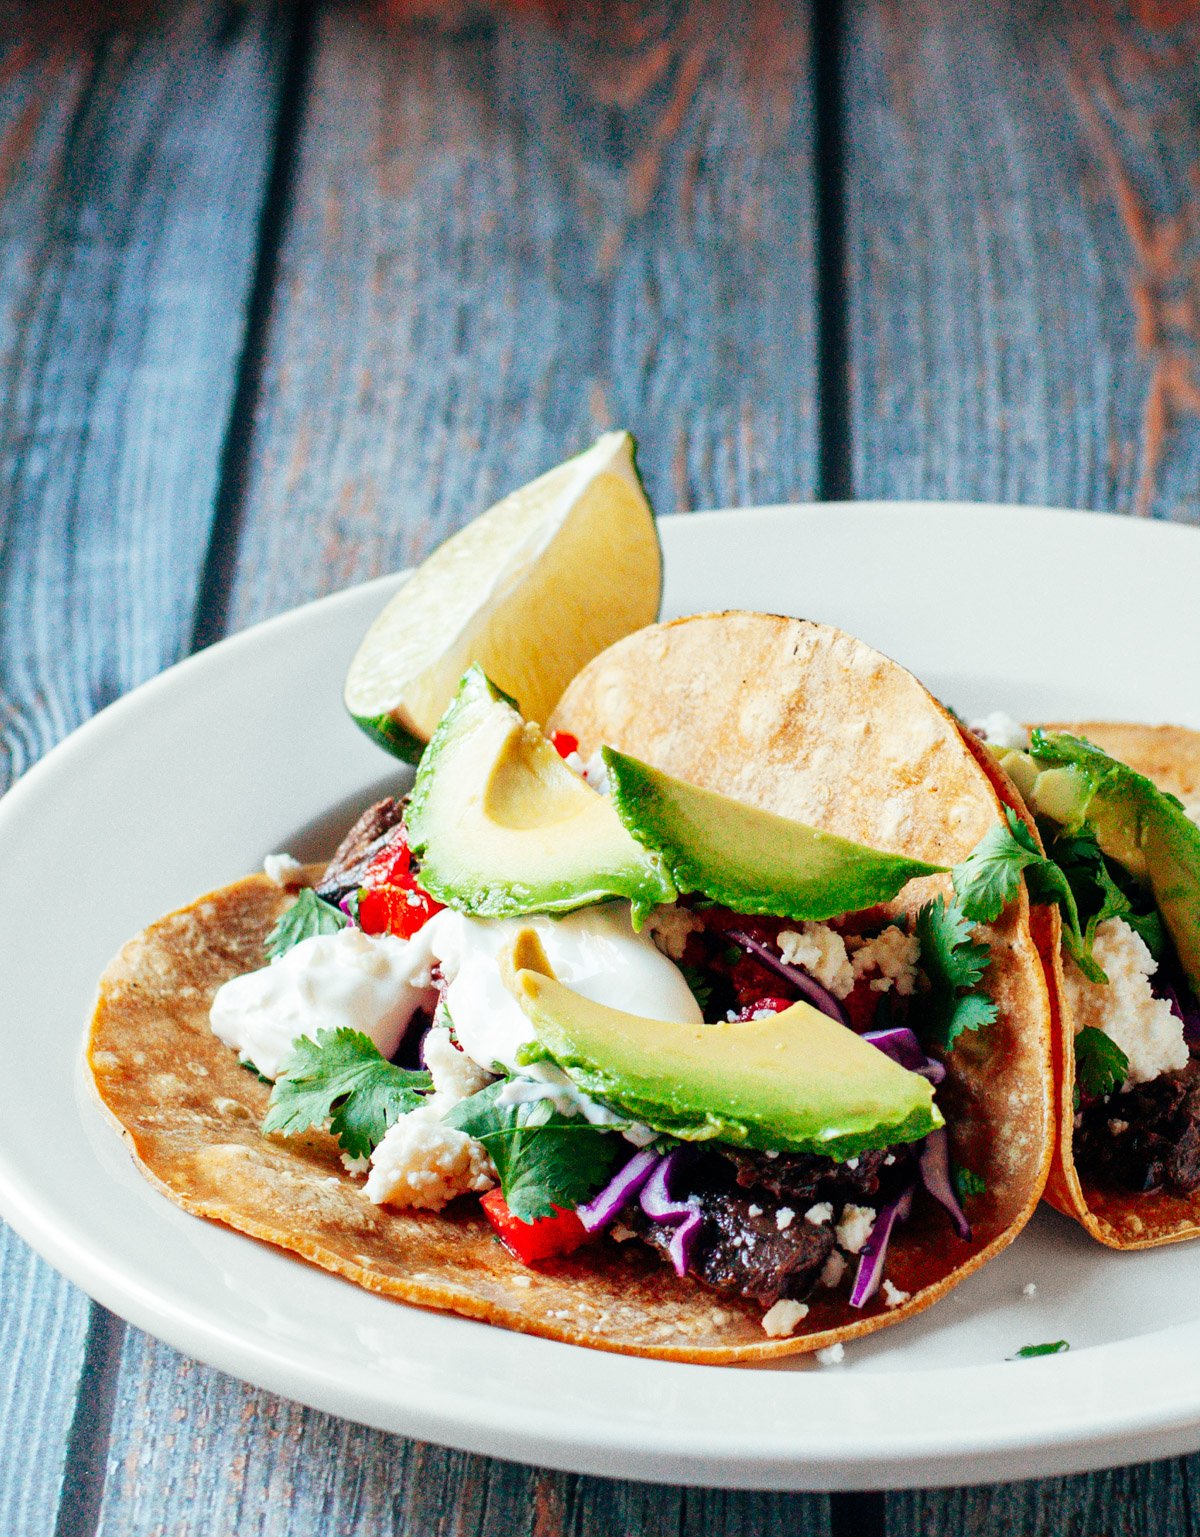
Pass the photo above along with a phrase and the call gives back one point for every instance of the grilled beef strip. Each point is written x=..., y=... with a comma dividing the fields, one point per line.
x=1144, y=1138
x=354, y=853
x=745, y=1252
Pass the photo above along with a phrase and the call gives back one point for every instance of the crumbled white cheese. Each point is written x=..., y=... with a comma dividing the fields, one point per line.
x=422, y=1162
x=283, y=869
x=821, y=951
x=1029, y=1289
x=894, y=955
x=833, y=1269
x=754, y=1211
x=355, y=1163
x=1117, y=1127
x=454, y=1074
x=783, y=1218
x=820, y=1213
x=619, y=1233
x=1000, y=730
x=855, y=1227
x=852, y=1163
x=1145, y=1027
x=832, y=1355
x=781, y=1320
x=520, y=1280
x=595, y=771
x=669, y=926
x=893, y=1297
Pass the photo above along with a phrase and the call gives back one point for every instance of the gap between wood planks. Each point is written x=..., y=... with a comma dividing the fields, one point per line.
x=850, y=1515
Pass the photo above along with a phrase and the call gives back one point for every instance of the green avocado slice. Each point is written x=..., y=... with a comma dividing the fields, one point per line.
x=796, y=1081
x=502, y=826
x=750, y=860
x=1069, y=781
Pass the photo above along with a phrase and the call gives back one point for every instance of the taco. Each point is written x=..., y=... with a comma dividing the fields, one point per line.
x=659, y=1032
x=1115, y=808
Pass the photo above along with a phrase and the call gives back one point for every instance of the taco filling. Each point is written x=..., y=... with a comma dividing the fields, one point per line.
x=496, y=991
x=1123, y=865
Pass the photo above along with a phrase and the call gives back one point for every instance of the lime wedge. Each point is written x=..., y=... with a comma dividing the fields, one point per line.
x=531, y=591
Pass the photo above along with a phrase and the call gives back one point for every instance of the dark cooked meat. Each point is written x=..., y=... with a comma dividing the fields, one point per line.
x=354, y=853
x=805, y=1177
x=737, y=1252
x=1147, y=1138
x=740, y=1247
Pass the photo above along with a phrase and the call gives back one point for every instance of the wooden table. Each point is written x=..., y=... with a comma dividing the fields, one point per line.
x=288, y=295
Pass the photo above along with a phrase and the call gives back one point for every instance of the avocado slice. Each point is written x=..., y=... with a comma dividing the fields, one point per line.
x=1069, y=781
x=796, y=1081
x=750, y=860
x=503, y=827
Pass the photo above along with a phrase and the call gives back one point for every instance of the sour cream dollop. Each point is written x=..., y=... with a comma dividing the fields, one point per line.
x=594, y=951
x=373, y=984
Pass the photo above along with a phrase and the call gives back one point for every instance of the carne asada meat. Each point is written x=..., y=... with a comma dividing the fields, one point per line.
x=795, y=1177
x=354, y=853
x=1145, y=1138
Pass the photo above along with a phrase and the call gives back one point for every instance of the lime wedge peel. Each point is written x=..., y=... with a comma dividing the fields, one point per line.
x=532, y=590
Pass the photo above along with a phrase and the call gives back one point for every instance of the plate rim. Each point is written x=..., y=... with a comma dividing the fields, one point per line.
x=489, y=1429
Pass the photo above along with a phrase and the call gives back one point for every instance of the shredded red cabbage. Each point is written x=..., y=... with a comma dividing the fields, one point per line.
x=1183, y=1005
x=620, y=1190
x=870, y=1261
x=902, y=1046
x=659, y=1206
x=812, y=991
x=934, y=1164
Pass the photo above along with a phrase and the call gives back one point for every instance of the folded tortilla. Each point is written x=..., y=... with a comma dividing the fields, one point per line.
x=1122, y=1219
x=797, y=718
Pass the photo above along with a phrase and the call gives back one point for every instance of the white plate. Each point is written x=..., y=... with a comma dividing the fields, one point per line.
x=190, y=780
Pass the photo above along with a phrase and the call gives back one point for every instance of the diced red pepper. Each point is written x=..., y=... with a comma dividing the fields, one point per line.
x=399, y=910
x=547, y=1238
x=564, y=743
x=392, y=863
x=762, y=1006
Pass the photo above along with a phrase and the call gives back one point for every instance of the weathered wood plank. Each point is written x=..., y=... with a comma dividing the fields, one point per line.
x=508, y=237
x=1023, y=225
x=125, y=263
x=1154, y=1500
x=202, y=1453
x=504, y=237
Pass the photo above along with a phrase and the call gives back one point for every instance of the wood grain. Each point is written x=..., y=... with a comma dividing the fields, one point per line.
x=507, y=237
x=1023, y=231
x=1153, y=1500
x=196, y=1452
x=132, y=160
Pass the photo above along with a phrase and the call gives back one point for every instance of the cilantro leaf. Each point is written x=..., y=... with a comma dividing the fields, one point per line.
x=309, y=914
x=342, y=1078
x=1053, y=1348
x=543, y=1159
x=700, y=985
x=968, y=1183
x=1101, y=1067
x=954, y=964
x=987, y=881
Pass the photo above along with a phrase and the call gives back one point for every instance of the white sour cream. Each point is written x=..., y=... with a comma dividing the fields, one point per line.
x=373, y=984
x=594, y=951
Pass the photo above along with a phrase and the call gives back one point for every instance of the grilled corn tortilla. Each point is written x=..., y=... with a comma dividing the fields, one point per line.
x=794, y=717
x=808, y=722
x=1170, y=756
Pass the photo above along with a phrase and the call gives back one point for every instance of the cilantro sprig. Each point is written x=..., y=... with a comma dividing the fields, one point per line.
x=954, y=964
x=309, y=914
x=342, y=1078
x=543, y=1160
x=1051, y=1348
x=968, y=1183
x=988, y=880
x=1101, y=1067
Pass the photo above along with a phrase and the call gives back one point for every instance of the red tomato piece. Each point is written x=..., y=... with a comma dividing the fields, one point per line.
x=399, y=910
x=391, y=865
x=547, y=1238
x=564, y=743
